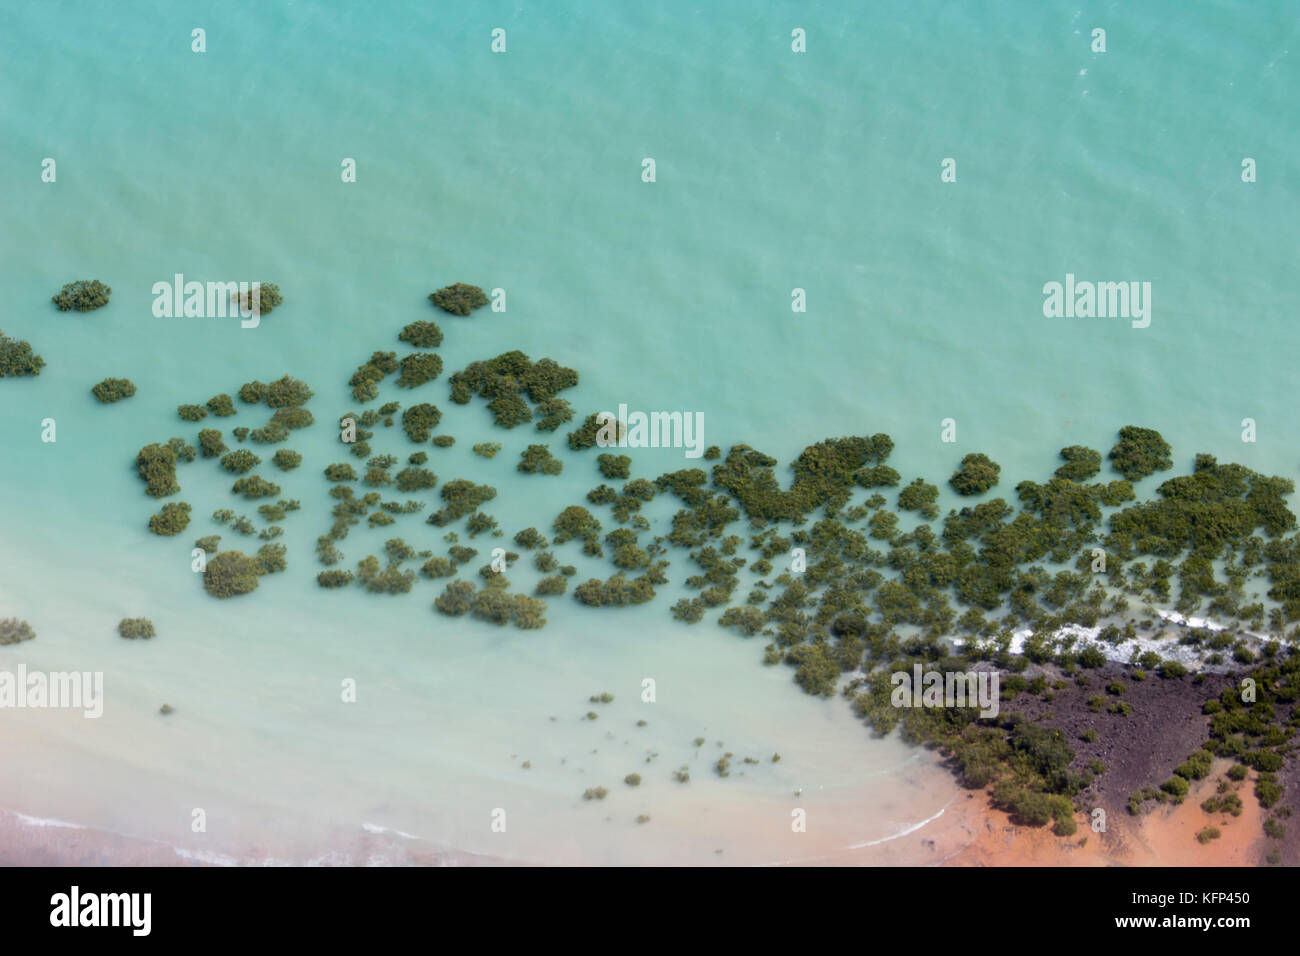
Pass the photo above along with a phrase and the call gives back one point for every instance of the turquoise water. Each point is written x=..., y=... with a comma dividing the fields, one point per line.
x=522, y=171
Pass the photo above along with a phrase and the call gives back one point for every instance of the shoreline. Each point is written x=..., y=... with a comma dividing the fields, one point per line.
x=968, y=830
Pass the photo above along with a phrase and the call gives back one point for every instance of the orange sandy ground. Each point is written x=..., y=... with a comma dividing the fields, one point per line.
x=1164, y=836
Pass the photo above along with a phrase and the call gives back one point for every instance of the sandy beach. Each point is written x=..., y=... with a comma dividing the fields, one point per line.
x=1165, y=836
x=968, y=831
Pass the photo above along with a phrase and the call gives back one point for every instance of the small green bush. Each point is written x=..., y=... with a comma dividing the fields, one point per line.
x=135, y=628
x=113, y=390
x=84, y=295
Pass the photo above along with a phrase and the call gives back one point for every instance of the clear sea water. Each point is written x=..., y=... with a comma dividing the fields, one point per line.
x=522, y=170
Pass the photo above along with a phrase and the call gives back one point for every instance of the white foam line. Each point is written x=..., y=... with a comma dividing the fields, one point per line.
x=41, y=822
x=205, y=856
x=858, y=846
x=376, y=828
x=902, y=833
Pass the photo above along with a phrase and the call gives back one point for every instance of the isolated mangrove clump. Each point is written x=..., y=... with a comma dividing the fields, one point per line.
x=192, y=413
x=422, y=335
x=84, y=295
x=977, y=474
x=17, y=358
x=157, y=466
x=172, y=520
x=286, y=460
x=230, y=574
x=334, y=579
x=268, y=298
x=487, y=449
x=444, y=441
x=537, y=459
x=1140, y=452
x=530, y=538
x=460, y=298
x=112, y=390
x=136, y=628
x=255, y=487
x=13, y=630
x=614, y=466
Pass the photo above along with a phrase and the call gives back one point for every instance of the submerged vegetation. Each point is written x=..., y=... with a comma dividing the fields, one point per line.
x=835, y=581
x=268, y=299
x=136, y=628
x=12, y=631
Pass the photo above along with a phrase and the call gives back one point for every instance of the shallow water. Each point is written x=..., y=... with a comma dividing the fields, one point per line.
x=774, y=171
